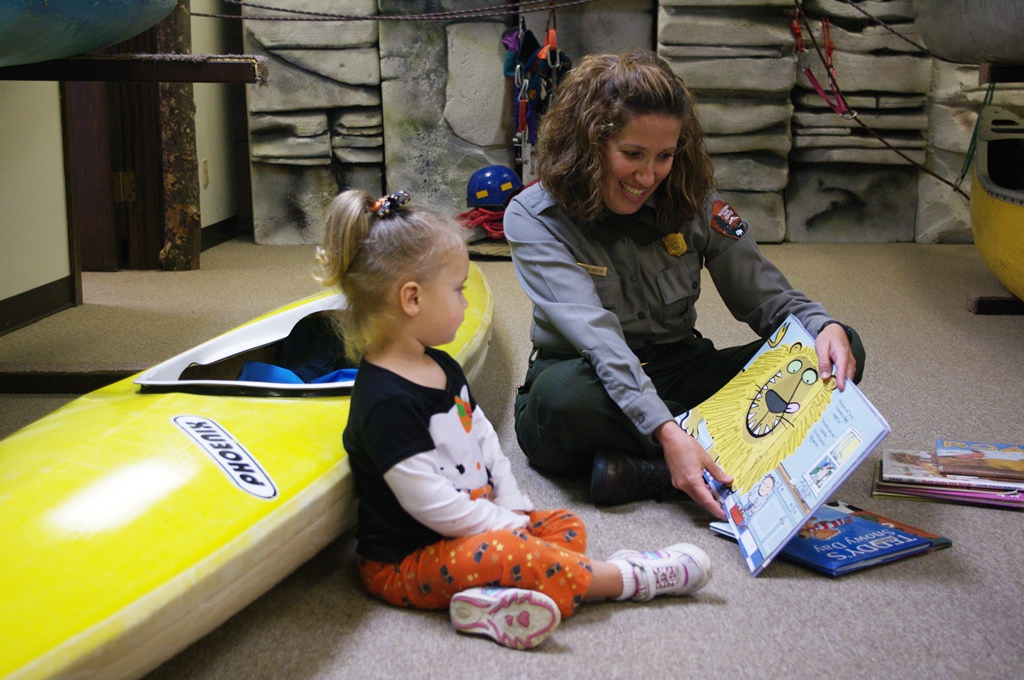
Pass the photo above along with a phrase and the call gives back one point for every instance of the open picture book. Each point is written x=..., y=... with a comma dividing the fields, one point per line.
x=787, y=438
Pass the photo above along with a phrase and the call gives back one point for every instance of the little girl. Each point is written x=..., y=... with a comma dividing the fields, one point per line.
x=442, y=522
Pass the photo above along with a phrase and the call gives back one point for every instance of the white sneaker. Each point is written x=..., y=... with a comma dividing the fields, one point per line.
x=681, y=569
x=514, y=617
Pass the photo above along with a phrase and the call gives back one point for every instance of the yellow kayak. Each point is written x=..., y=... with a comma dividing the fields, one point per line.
x=141, y=516
x=997, y=196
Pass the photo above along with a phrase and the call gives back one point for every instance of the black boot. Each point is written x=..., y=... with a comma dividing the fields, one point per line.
x=618, y=478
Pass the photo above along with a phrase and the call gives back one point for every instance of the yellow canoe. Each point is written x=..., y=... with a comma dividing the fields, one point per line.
x=140, y=517
x=997, y=196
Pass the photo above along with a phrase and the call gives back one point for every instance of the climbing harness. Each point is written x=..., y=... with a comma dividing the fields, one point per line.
x=535, y=70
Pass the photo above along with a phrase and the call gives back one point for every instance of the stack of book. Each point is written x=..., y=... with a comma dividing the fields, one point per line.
x=978, y=473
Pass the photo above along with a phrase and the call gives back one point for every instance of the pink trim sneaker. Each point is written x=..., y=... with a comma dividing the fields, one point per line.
x=681, y=569
x=514, y=617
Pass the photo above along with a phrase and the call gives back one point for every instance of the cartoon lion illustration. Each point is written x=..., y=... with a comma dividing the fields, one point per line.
x=763, y=414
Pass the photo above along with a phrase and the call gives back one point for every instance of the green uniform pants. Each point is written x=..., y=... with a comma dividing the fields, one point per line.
x=563, y=415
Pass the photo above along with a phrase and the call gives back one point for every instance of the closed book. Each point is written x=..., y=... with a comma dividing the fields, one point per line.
x=837, y=543
x=986, y=460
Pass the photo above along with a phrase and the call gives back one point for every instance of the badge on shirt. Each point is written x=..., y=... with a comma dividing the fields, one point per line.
x=675, y=244
x=726, y=221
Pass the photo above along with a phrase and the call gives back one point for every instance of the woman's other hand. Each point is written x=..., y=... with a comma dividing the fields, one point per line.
x=833, y=348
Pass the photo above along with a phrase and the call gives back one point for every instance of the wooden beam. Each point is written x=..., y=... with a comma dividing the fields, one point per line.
x=166, y=68
x=180, y=161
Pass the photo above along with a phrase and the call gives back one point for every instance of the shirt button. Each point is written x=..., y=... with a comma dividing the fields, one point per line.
x=632, y=277
x=625, y=239
x=641, y=419
x=641, y=315
x=694, y=285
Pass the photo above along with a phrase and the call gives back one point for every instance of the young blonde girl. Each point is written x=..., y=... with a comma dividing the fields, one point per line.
x=442, y=521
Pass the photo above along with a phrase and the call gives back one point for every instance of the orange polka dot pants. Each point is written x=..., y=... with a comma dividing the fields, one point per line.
x=546, y=556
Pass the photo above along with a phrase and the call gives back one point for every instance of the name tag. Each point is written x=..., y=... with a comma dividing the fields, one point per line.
x=593, y=269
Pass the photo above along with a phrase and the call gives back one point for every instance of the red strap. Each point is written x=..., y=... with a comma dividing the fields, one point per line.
x=794, y=27
x=826, y=39
x=838, y=104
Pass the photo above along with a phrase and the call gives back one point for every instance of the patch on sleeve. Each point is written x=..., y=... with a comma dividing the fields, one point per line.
x=726, y=221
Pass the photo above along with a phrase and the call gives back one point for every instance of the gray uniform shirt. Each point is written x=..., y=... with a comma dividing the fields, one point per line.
x=600, y=289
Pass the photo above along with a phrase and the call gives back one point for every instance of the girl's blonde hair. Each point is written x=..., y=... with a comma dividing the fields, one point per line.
x=369, y=258
x=593, y=103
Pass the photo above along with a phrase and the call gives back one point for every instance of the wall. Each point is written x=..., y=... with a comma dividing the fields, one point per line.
x=33, y=219
x=428, y=101
x=34, y=247
x=215, y=129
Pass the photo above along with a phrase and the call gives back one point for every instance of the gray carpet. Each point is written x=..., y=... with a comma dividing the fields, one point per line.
x=934, y=369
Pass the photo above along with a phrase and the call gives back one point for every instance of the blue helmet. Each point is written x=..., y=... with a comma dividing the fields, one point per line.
x=492, y=187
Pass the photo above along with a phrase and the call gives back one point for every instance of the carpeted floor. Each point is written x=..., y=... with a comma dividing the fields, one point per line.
x=934, y=369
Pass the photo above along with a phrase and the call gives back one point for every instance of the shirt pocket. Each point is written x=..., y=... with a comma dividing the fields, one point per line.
x=608, y=290
x=679, y=290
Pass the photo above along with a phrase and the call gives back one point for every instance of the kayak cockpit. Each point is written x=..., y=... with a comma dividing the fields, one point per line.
x=295, y=352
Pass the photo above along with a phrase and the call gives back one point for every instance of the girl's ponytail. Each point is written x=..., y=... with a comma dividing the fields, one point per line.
x=348, y=225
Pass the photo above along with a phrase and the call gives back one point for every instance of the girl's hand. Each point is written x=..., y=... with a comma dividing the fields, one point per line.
x=687, y=460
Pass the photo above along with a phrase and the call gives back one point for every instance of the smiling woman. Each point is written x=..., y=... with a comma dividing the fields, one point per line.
x=34, y=30
x=609, y=247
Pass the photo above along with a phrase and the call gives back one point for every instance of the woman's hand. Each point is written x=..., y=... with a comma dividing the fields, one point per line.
x=833, y=348
x=687, y=460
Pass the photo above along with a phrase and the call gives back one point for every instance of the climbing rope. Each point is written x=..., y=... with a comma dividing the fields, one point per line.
x=526, y=6
x=491, y=221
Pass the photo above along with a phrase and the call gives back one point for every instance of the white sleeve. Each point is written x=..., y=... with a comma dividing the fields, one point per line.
x=506, y=489
x=435, y=502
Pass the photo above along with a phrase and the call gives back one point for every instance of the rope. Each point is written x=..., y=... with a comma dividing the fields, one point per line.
x=526, y=6
x=483, y=218
x=852, y=115
x=973, y=148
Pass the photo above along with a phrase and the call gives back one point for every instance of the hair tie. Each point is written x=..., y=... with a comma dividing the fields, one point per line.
x=385, y=205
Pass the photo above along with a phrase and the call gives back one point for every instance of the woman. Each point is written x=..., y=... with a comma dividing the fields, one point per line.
x=609, y=246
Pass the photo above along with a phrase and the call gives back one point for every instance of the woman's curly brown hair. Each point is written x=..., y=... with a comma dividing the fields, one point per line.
x=596, y=100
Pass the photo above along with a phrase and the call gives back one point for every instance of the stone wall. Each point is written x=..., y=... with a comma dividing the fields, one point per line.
x=447, y=104
x=421, y=105
x=391, y=105
x=317, y=124
x=796, y=170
